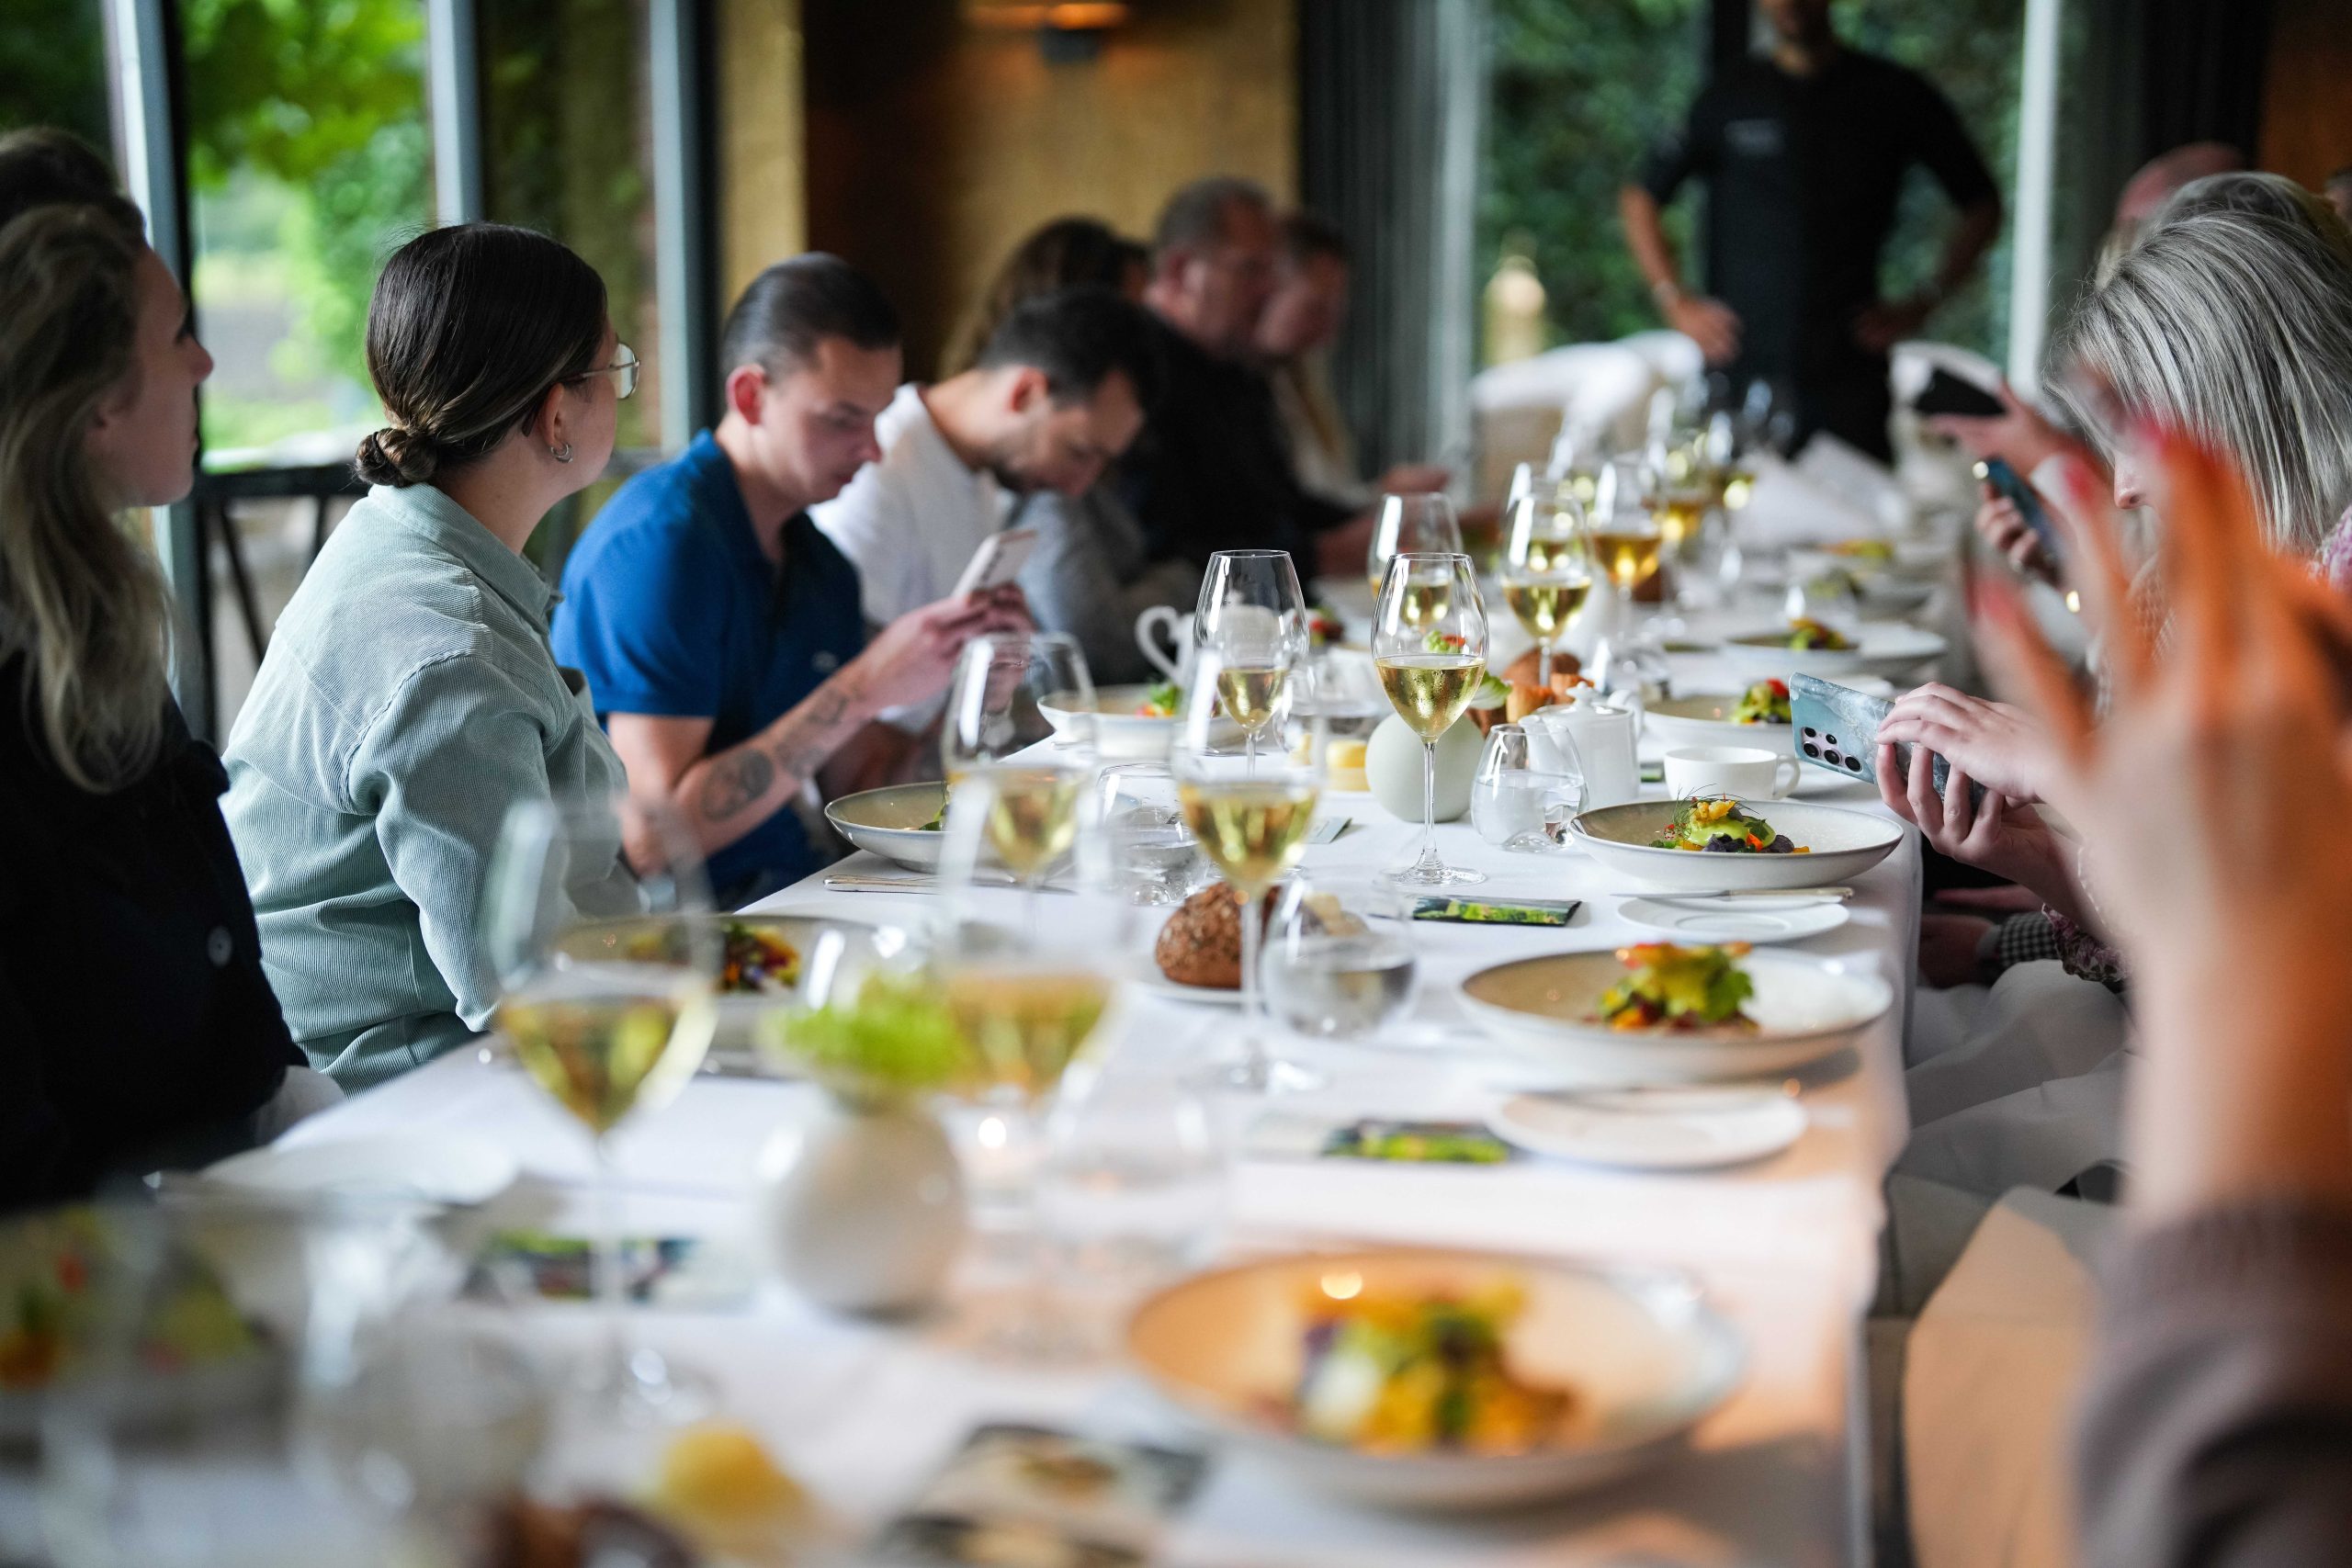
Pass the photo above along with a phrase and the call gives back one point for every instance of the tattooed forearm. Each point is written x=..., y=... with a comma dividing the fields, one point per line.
x=736, y=783
x=813, y=733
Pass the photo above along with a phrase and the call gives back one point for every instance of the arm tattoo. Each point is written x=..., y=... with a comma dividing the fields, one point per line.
x=809, y=740
x=734, y=783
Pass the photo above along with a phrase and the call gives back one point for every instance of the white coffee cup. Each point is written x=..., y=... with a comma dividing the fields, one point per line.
x=1748, y=772
x=1165, y=636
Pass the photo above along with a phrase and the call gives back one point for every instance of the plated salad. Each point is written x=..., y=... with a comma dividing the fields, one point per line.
x=1161, y=699
x=1675, y=988
x=1809, y=636
x=1766, y=702
x=1413, y=1373
x=757, y=960
x=1717, y=825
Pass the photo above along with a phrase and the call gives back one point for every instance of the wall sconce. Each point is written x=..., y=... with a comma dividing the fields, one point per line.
x=1068, y=30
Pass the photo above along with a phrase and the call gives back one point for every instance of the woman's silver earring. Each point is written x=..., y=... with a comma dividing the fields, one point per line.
x=561, y=454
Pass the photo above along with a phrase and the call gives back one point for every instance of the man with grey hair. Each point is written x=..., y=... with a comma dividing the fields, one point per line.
x=1212, y=472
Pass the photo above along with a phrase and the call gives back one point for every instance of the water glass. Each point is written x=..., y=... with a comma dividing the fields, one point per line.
x=1155, y=858
x=1132, y=1192
x=1339, y=961
x=1518, y=803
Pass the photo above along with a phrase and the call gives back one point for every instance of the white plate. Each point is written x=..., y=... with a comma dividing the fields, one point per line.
x=1885, y=647
x=1844, y=843
x=1158, y=985
x=1120, y=731
x=1653, y=1129
x=433, y=1167
x=1645, y=1354
x=1545, y=1011
x=1737, y=919
x=1703, y=719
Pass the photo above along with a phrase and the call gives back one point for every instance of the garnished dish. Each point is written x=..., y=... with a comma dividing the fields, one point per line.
x=1862, y=549
x=1766, y=701
x=1809, y=636
x=1678, y=988
x=757, y=960
x=1324, y=630
x=51, y=1272
x=1716, y=824
x=1401, y=1375
x=1161, y=699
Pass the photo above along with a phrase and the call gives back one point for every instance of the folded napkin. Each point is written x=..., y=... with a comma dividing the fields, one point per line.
x=1856, y=478
x=1790, y=507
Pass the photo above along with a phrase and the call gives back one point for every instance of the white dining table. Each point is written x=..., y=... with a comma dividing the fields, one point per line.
x=862, y=1412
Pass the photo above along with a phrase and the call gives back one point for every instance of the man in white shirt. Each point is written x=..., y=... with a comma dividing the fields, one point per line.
x=1056, y=395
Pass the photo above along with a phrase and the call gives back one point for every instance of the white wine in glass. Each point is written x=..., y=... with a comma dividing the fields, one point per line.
x=1252, y=616
x=1026, y=1023
x=1249, y=814
x=1547, y=567
x=1251, y=693
x=1431, y=670
x=1033, y=816
x=607, y=983
x=1410, y=524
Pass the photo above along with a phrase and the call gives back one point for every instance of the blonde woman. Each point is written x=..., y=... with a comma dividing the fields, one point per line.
x=136, y=1024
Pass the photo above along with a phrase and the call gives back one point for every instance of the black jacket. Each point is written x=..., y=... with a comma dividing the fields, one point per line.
x=134, y=1011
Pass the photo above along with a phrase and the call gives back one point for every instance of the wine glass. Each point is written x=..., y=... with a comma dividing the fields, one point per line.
x=1252, y=616
x=1339, y=961
x=1547, y=567
x=1023, y=709
x=607, y=986
x=1625, y=536
x=1410, y=524
x=1249, y=816
x=1026, y=1001
x=1429, y=642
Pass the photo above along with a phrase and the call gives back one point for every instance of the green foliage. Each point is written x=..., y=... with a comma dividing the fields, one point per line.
x=1581, y=88
x=53, y=67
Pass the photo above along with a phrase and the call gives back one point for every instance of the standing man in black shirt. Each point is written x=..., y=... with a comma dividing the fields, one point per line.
x=1805, y=151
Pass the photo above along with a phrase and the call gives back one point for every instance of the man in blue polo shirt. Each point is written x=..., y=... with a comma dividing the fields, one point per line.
x=720, y=630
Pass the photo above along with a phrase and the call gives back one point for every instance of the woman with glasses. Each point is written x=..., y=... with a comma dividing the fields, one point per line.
x=409, y=698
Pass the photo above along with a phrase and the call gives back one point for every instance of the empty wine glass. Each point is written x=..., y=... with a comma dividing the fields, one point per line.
x=1410, y=524
x=608, y=1005
x=1429, y=645
x=1250, y=818
x=1516, y=804
x=1547, y=567
x=1339, y=961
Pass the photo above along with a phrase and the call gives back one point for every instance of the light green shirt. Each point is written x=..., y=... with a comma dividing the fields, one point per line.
x=408, y=700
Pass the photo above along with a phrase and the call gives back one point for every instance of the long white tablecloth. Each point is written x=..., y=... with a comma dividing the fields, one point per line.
x=864, y=1412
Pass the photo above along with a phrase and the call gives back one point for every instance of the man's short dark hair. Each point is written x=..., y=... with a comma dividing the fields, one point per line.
x=1194, y=218
x=1078, y=337
x=795, y=305
x=43, y=166
x=1307, y=235
x=2342, y=176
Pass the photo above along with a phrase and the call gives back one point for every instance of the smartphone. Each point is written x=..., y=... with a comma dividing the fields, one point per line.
x=1948, y=393
x=1836, y=729
x=2010, y=486
x=996, y=562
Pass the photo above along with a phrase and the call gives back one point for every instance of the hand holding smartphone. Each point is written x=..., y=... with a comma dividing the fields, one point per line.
x=1836, y=729
x=996, y=562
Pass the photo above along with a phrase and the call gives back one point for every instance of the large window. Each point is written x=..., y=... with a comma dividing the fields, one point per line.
x=1581, y=91
x=308, y=159
x=53, y=67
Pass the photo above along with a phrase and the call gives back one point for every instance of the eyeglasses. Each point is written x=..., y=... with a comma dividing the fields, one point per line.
x=624, y=364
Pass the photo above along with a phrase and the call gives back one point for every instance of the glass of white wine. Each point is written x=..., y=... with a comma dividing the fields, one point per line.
x=1626, y=539
x=607, y=1003
x=1428, y=643
x=1547, y=567
x=1027, y=1000
x=1022, y=708
x=1252, y=616
x=1251, y=818
x=1410, y=524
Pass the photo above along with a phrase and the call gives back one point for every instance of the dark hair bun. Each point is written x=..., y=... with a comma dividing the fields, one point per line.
x=397, y=458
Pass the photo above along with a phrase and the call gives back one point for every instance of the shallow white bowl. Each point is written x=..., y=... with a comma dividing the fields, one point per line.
x=1649, y=1358
x=1546, y=1011
x=1119, y=731
x=1703, y=719
x=1886, y=647
x=890, y=822
x=1843, y=844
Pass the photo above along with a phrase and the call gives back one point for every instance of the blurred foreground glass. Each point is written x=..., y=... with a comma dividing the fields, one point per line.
x=1410, y=524
x=610, y=1010
x=1340, y=955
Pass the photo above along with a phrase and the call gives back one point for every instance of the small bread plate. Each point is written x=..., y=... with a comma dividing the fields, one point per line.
x=1640, y=1355
x=1841, y=844
x=1547, y=1012
x=454, y=1168
x=890, y=822
x=1152, y=983
x=1759, y=919
x=1653, y=1129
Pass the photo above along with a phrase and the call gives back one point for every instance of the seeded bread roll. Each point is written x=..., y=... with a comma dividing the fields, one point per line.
x=1201, y=943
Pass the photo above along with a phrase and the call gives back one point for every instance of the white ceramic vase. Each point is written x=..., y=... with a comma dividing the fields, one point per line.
x=861, y=1205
